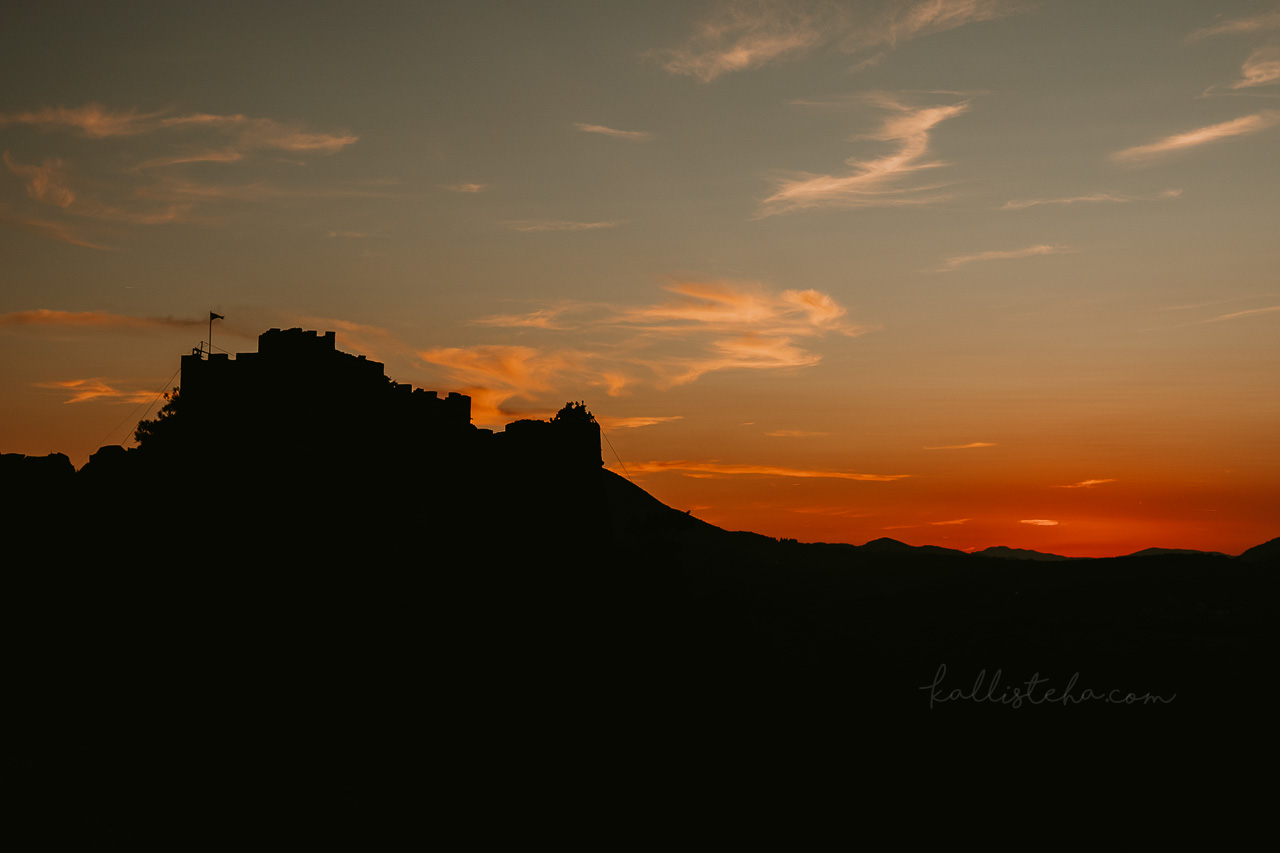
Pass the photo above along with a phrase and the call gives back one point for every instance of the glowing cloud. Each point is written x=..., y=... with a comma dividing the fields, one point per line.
x=793, y=433
x=954, y=521
x=1260, y=68
x=1086, y=484
x=45, y=228
x=900, y=22
x=878, y=182
x=92, y=319
x=742, y=35
x=559, y=225
x=708, y=326
x=1094, y=197
x=93, y=120
x=494, y=374
x=1019, y=205
x=1226, y=130
x=635, y=422
x=1235, y=26
x=1039, y=522
x=543, y=318
x=84, y=390
x=132, y=195
x=746, y=34
x=724, y=469
x=1030, y=251
x=963, y=446
x=98, y=122
x=44, y=182
x=1238, y=314
x=467, y=188
x=633, y=135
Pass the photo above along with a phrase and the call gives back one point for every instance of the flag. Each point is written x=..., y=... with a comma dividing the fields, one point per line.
x=213, y=316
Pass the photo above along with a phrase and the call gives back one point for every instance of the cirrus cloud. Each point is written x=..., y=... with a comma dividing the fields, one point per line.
x=1242, y=126
x=703, y=327
x=877, y=182
x=632, y=135
x=1030, y=251
x=715, y=469
x=83, y=390
x=739, y=35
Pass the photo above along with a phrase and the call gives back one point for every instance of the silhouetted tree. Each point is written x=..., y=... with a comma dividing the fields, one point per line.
x=575, y=413
x=162, y=430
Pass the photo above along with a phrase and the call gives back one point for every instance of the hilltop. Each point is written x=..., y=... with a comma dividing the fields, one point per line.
x=382, y=587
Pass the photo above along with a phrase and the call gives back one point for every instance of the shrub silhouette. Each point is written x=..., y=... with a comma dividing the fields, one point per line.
x=165, y=429
x=574, y=413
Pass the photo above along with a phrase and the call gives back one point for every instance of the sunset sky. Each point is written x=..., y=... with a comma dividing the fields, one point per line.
x=958, y=272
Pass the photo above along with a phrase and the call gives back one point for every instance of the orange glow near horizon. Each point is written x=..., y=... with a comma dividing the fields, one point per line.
x=938, y=270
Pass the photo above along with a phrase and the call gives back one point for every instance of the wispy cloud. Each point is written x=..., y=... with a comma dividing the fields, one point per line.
x=50, y=184
x=1234, y=315
x=46, y=228
x=1235, y=26
x=1238, y=314
x=999, y=255
x=493, y=374
x=93, y=319
x=703, y=327
x=1086, y=484
x=745, y=34
x=747, y=307
x=184, y=190
x=877, y=182
x=83, y=390
x=713, y=468
x=898, y=22
x=559, y=225
x=953, y=521
x=793, y=433
x=969, y=446
x=1207, y=304
x=134, y=195
x=633, y=135
x=1039, y=522
x=543, y=318
x=92, y=120
x=1260, y=68
x=467, y=188
x=247, y=133
x=1212, y=133
x=635, y=422
x=1022, y=204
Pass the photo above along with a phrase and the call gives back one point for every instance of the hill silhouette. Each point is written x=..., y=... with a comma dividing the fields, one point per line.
x=321, y=571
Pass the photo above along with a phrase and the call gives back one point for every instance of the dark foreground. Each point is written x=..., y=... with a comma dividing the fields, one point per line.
x=169, y=650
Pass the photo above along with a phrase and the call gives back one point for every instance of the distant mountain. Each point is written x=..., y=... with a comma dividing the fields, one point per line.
x=1266, y=552
x=885, y=545
x=1007, y=553
x=1160, y=552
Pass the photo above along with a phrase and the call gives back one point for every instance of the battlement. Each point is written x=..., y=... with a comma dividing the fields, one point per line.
x=300, y=390
x=302, y=397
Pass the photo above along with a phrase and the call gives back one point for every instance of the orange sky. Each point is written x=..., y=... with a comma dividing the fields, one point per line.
x=943, y=271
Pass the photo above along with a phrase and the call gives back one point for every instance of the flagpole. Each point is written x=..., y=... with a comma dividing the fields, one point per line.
x=212, y=317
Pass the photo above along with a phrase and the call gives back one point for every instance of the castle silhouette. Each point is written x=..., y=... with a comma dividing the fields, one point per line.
x=299, y=394
x=302, y=449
